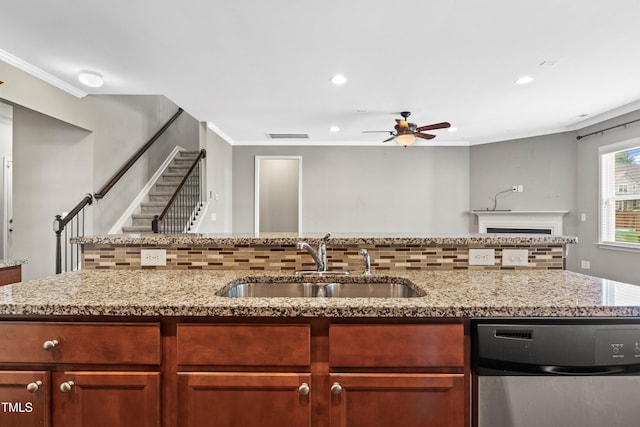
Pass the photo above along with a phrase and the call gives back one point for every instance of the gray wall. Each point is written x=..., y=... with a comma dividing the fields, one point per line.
x=219, y=178
x=355, y=189
x=544, y=165
x=127, y=123
x=52, y=169
x=608, y=263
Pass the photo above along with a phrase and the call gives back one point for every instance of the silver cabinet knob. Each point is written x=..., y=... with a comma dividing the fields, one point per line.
x=50, y=345
x=66, y=386
x=336, y=388
x=304, y=389
x=34, y=386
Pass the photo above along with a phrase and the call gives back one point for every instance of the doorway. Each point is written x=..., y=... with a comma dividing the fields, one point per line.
x=6, y=186
x=278, y=192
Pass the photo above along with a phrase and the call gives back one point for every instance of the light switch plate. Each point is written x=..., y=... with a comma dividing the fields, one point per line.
x=482, y=256
x=515, y=257
x=153, y=257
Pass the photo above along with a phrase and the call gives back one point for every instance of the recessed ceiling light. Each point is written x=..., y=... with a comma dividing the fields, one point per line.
x=91, y=78
x=334, y=129
x=524, y=80
x=452, y=129
x=338, y=79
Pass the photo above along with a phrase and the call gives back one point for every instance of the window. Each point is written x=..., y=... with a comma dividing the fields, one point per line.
x=620, y=194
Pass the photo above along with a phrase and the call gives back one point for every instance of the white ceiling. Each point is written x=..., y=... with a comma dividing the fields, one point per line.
x=251, y=67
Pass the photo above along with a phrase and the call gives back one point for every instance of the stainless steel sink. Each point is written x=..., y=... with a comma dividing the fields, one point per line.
x=369, y=290
x=267, y=289
x=316, y=289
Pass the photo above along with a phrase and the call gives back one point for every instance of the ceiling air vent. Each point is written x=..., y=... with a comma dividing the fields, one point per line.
x=288, y=135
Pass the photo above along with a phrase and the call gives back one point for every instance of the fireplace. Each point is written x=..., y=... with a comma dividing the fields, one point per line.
x=521, y=222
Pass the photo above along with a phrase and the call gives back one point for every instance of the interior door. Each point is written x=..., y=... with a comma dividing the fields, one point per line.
x=278, y=193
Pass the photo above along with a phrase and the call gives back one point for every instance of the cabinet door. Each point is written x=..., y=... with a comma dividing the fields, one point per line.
x=106, y=399
x=399, y=400
x=244, y=399
x=24, y=399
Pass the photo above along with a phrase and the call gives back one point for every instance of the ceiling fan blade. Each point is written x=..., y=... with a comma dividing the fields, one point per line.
x=424, y=135
x=389, y=139
x=442, y=125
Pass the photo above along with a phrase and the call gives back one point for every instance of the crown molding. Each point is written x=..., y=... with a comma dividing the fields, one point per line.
x=40, y=74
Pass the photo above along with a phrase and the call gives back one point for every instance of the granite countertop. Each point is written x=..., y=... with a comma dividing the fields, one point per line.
x=336, y=239
x=448, y=294
x=6, y=263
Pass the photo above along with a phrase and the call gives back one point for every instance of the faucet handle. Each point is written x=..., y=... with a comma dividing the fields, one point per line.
x=326, y=237
x=367, y=261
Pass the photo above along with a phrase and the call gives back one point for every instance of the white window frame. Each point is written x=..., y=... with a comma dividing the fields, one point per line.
x=607, y=197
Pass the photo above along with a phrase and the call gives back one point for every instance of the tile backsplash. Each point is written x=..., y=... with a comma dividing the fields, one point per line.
x=342, y=257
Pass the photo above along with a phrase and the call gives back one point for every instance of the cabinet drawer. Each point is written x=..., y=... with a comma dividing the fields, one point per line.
x=401, y=346
x=92, y=343
x=244, y=345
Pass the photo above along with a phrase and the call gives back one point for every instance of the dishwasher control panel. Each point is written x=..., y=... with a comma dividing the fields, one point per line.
x=556, y=346
x=617, y=345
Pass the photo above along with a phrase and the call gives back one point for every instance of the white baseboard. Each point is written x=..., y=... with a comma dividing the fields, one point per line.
x=122, y=221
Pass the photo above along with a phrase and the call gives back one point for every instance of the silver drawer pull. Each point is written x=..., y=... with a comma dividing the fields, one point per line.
x=34, y=386
x=50, y=345
x=336, y=388
x=66, y=386
x=304, y=389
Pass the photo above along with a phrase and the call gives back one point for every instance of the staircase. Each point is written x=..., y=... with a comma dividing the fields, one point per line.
x=161, y=192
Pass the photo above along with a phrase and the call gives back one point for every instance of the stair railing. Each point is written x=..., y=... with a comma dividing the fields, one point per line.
x=120, y=173
x=185, y=204
x=68, y=257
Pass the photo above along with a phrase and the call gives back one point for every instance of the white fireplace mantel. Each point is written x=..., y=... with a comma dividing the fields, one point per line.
x=542, y=220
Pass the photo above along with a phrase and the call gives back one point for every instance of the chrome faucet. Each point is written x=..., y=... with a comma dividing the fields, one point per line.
x=367, y=262
x=320, y=257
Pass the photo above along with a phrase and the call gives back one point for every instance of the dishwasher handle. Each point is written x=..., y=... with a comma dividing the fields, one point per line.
x=582, y=370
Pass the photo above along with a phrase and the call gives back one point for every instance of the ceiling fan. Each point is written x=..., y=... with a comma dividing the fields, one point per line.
x=405, y=133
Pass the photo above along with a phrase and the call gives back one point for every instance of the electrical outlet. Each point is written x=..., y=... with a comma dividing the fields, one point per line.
x=153, y=257
x=520, y=188
x=482, y=256
x=517, y=188
x=586, y=264
x=513, y=257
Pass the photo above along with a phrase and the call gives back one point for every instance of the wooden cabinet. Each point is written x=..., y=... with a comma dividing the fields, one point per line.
x=382, y=400
x=10, y=275
x=244, y=399
x=400, y=375
x=25, y=398
x=95, y=374
x=244, y=375
x=326, y=375
x=187, y=372
x=123, y=399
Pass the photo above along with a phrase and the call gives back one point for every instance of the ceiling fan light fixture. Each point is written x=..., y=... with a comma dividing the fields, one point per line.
x=90, y=78
x=338, y=79
x=523, y=80
x=405, y=139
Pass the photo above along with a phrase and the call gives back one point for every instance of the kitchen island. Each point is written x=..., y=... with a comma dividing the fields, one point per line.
x=193, y=355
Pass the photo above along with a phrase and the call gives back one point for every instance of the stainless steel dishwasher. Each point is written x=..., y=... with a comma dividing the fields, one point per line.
x=556, y=372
